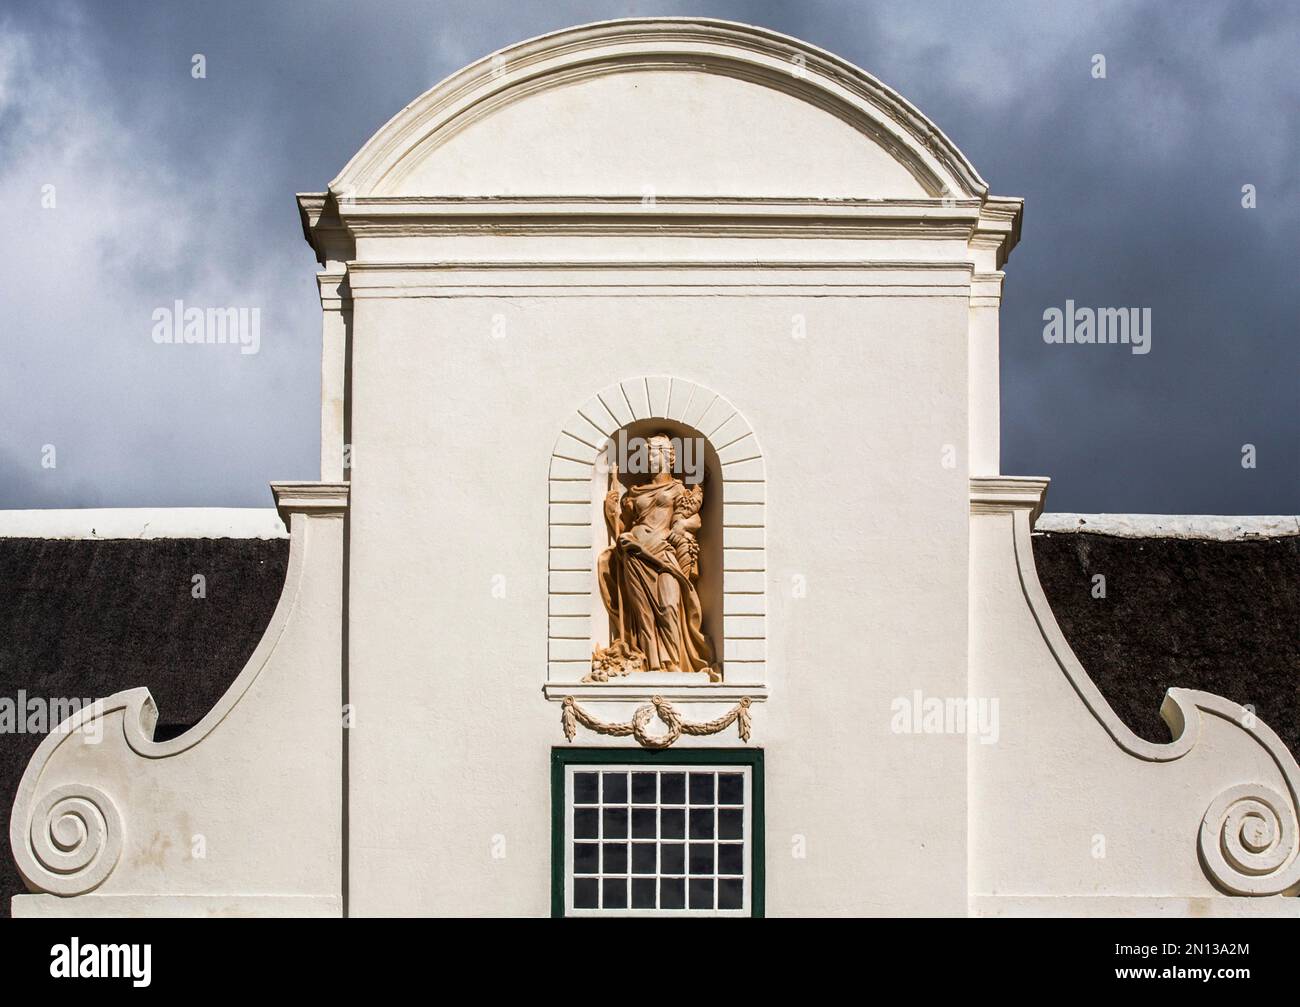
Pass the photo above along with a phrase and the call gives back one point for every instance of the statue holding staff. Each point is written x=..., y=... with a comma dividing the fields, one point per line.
x=647, y=575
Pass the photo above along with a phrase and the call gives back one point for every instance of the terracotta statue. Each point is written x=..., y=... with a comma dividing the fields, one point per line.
x=647, y=575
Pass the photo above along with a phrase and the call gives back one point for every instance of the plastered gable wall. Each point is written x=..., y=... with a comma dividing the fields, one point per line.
x=627, y=129
x=656, y=201
x=452, y=433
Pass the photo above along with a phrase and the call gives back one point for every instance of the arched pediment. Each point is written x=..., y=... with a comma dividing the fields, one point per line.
x=661, y=107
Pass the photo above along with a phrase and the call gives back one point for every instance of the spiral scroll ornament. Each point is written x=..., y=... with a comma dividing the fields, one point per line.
x=1248, y=841
x=75, y=839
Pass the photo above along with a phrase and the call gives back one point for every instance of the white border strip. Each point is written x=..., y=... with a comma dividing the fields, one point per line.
x=1222, y=528
x=143, y=523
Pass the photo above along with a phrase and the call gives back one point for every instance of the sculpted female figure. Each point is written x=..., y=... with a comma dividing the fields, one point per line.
x=647, y=575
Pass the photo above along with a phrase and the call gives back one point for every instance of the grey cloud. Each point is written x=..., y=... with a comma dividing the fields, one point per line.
x=182, y=188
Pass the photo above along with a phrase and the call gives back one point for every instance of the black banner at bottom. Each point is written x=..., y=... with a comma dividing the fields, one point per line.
x=365, y=956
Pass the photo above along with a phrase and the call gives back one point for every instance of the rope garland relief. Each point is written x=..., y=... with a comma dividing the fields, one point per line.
x=572, y=715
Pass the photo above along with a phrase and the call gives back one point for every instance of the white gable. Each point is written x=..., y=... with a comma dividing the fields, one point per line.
x=651, y=133
x=641, y=107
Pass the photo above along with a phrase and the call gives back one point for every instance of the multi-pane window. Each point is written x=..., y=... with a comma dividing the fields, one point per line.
x=654, y=838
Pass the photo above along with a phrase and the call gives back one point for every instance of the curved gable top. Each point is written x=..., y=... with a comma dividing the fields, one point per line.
x=661, y=106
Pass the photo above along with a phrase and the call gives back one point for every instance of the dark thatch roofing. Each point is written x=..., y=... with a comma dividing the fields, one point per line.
x=88, y=618
x=1222, y=616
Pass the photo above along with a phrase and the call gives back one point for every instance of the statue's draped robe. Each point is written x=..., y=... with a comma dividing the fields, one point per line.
x=642, y=576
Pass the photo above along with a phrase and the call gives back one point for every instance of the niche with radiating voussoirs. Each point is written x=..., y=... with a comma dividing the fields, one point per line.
x=696, y=459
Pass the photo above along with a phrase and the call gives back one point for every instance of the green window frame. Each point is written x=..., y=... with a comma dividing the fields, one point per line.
x=564, y=758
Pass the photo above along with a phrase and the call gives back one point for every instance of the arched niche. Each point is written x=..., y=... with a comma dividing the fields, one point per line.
x=732, y=581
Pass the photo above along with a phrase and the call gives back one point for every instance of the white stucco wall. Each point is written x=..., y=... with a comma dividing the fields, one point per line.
x=626, y=131
x=441, y=667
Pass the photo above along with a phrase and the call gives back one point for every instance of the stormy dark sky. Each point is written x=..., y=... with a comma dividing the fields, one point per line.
x=169, y=187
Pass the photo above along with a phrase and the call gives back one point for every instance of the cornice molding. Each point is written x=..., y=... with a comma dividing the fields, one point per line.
x=328, y=236
x=360, y=269
x=748, y=206
x=334, y=287
x=683, y=277
x=999, y=226
x=1008, y=494
x=986, y=289
x=601, y=216
x=642, y=692
x=649, y=227
x=959, y=207
x=317, y=498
